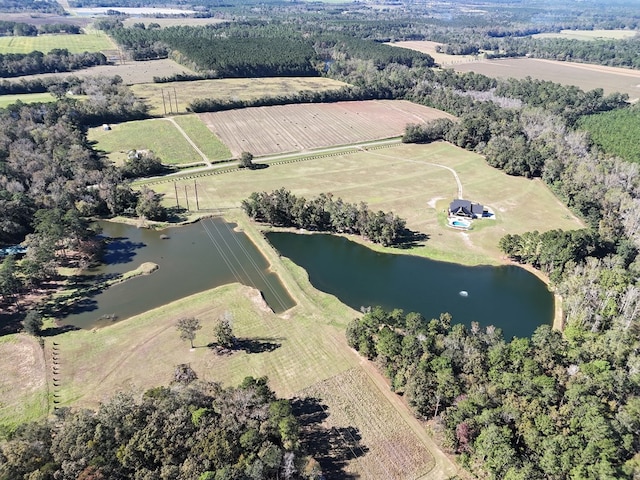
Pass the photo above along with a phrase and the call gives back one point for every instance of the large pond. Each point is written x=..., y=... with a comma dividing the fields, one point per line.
x=508, y=297
x=191, y=259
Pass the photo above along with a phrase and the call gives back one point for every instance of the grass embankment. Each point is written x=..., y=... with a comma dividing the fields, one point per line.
x=157, y=135
x=183, y=93
x=93, y=42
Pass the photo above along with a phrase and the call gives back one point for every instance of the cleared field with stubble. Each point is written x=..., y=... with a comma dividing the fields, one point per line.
x=583, y=75
x=80, y=43
x=292, y=128
x=130, y=72
x=428, y=47
x=588, y=35
x=178, y=95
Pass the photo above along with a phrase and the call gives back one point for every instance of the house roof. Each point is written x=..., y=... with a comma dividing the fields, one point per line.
x=466, y=206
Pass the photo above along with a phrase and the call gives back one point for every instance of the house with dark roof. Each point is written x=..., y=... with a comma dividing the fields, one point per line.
x=466, y=208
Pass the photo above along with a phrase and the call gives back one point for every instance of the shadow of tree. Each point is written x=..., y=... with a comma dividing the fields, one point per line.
x=410, y=239
x=120, y=250
x=332, y=447
x=257, y=345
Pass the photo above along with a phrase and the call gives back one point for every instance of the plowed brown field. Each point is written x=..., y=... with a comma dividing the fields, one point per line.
x=292, y=128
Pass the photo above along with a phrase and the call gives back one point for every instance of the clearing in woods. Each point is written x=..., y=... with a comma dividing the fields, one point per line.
x=300, y=127
x=175, y=97
x=93, y=42
x=157, y=135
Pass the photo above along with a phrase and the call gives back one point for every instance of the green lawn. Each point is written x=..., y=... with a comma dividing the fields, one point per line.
x=93, y=42
x=206, y=141
x=157, y=135
x=6, y=100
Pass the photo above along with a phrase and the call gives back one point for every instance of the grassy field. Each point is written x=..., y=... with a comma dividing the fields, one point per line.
x=158, y=135
x=6, y=100
x=227, y=88
x=590, y=34
x=206, y=141
x=93, y=42
x=428, y=47
x=404, y=179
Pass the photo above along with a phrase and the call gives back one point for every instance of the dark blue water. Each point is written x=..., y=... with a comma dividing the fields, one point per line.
x=507, y=297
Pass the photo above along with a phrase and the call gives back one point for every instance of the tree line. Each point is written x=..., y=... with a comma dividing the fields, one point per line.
x=9, y=28
x=188, y=430
x=283, y=209
x=549, y=406
x=57, y=60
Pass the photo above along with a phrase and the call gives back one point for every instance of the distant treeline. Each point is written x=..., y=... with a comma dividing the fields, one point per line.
x=283, y=209
x=57, y=60
x=268, y=50
x=42, y=6
x=8, y=28
x=38, y=85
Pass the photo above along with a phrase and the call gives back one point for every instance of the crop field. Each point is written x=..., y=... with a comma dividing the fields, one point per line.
x=583, y=75
x=409, y=180
x=157, y=135
x=93, y=42
x=183, y=93
x=382, y=446
x=589, y=34
x=290, y=128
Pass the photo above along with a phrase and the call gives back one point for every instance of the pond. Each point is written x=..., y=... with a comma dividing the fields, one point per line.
x=191, y=259
x=508, y=297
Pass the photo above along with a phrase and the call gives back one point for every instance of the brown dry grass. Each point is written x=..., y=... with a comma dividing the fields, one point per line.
x=379, y=439
x=224, y=89
x=300, y=127
x=429, y=48
x=23, y=386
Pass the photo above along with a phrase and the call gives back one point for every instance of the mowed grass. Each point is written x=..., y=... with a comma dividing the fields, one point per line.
x=206, y=141
x=183, y=93
x=23, y=385
x=6, y=100
x=157, y=135
x=403, y=179
x=80, y=43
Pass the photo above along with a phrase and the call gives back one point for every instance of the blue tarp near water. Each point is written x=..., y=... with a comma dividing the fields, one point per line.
x=13, y=250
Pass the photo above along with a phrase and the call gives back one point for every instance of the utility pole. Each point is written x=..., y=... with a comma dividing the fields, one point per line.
x=164, y=105
x=175, y=97
x=175, y=188
x=186, y=197
x=195, y=186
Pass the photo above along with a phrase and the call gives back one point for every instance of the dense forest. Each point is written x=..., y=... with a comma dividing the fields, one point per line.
x=190, y=430
x=549, y=406
x=324, y=214
x=616, y=132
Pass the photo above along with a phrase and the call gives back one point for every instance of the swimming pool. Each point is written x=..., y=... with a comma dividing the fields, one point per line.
x=458, y=223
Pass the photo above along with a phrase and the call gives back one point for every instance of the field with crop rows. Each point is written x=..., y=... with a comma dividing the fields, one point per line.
x=162, y=97
x=383, y=445
x=45, y=43
x=290, y=128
